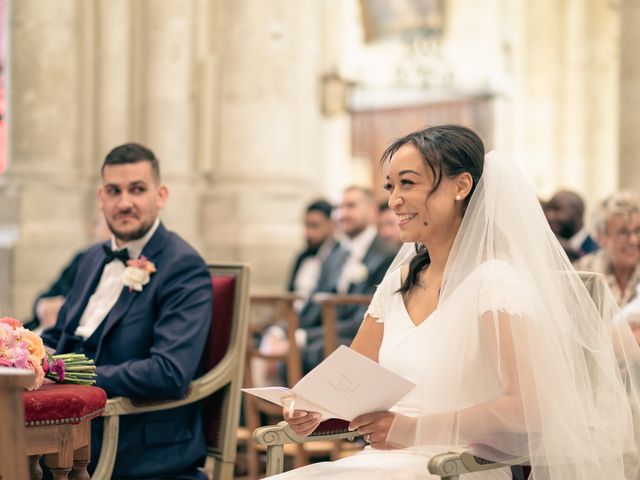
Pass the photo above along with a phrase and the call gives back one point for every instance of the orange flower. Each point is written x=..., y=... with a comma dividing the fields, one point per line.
x=34, y=344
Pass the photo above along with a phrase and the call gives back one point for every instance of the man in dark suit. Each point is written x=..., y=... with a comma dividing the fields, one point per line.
x=144, y=321
x=320, y=242
x=565, y=212
x=357, y=266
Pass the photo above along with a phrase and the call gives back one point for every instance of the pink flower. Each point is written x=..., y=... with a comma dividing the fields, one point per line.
x=34, y=365
x=5, y=362
x=12, y=322
x=137, y=273
x=20, y=355
x=142, y=263
x=57, y=367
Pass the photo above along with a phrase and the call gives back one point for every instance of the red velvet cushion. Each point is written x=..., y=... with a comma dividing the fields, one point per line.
x=224, y=287
x=54, y=403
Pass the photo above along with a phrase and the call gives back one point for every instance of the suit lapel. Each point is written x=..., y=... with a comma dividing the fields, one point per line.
x=88, y=286
x=152, y=252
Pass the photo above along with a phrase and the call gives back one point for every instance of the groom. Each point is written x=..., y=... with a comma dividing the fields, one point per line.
x=146, y=343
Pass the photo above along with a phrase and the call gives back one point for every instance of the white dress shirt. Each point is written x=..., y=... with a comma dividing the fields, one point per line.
x=354, y=271
x=110, y=286
x=578, y=239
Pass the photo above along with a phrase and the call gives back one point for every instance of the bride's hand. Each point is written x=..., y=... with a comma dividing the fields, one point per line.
x=301, y=422
x=375, y=428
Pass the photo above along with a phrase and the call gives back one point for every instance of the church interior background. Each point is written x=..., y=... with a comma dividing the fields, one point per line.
x=256, y=107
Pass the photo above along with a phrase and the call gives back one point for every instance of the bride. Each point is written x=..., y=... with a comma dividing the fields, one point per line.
x=483, y=311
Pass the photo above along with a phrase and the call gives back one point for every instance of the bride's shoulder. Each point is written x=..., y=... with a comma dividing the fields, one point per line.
x=497, y=273
x=495, y=266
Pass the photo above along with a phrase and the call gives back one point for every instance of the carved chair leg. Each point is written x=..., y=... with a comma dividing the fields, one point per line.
x=80, y=461
x=35, y=470
x=275, y=460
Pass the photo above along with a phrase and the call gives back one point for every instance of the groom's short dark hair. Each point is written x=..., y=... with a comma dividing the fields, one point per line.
x=132, y=153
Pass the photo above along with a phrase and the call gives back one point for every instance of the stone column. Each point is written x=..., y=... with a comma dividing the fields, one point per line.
x=166, y=102
x=537, y=92
x=114, y=78
x=46, y=95
x=266, y=162
x=629, y=166
x=565, y=92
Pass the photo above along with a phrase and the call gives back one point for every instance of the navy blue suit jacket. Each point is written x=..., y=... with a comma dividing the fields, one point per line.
x=150, y=346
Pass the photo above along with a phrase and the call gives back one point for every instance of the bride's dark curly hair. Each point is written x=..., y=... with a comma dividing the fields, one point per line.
x=448, y=151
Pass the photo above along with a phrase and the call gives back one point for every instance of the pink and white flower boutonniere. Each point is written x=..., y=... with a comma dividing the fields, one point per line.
x=137, y=273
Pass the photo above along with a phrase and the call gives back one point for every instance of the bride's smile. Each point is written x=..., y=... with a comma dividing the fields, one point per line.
x=423, y=199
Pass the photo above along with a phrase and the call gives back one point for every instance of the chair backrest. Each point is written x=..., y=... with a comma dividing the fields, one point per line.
x=224, y=354
x=13, y=456
x=280, y=311
x=329, y=303
x=596, y=285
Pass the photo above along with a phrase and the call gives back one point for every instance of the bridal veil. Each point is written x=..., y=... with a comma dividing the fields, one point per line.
x=559, y=383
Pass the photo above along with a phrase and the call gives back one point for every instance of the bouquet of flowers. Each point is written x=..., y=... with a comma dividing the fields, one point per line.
x=21, y=348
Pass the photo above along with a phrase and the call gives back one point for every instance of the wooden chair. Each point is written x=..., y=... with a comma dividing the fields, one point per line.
x=282, y=305
x=218, y=388
x=448, y=465
x=13, y=454
x=330, y=303
x=280, y=312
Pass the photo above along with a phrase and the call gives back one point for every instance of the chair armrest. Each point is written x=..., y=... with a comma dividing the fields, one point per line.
x=341, y=299
x=451, y=464
x=281, y=434
x=273, y=297
x=200, y=388
x=274, y=437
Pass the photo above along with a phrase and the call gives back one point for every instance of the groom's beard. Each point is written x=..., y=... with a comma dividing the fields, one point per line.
x=124, y=237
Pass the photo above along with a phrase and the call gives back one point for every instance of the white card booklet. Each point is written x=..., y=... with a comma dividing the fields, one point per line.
x=346, y=384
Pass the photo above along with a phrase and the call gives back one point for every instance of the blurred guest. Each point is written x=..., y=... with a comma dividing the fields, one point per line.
x=48, y=303
x=565, y=212
x=617, y=223
x=357, y=266
x=388, y=226
x=318, y=233
x=631, y=314
x=319, y=228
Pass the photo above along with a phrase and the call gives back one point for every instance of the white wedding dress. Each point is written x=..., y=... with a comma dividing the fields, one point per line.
x=518, y=359
x=419, y=353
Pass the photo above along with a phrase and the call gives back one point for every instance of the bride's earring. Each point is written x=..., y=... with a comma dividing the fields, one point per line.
x=458, y=198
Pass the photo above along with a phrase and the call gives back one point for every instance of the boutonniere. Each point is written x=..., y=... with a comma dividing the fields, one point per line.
x=137, y=273
x=358, y=273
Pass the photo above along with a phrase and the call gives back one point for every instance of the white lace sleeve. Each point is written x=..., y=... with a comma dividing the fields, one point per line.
x=378, y=304
x=502, y=289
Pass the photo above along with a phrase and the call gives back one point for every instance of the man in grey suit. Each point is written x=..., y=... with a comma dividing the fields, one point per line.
x=357, y=266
